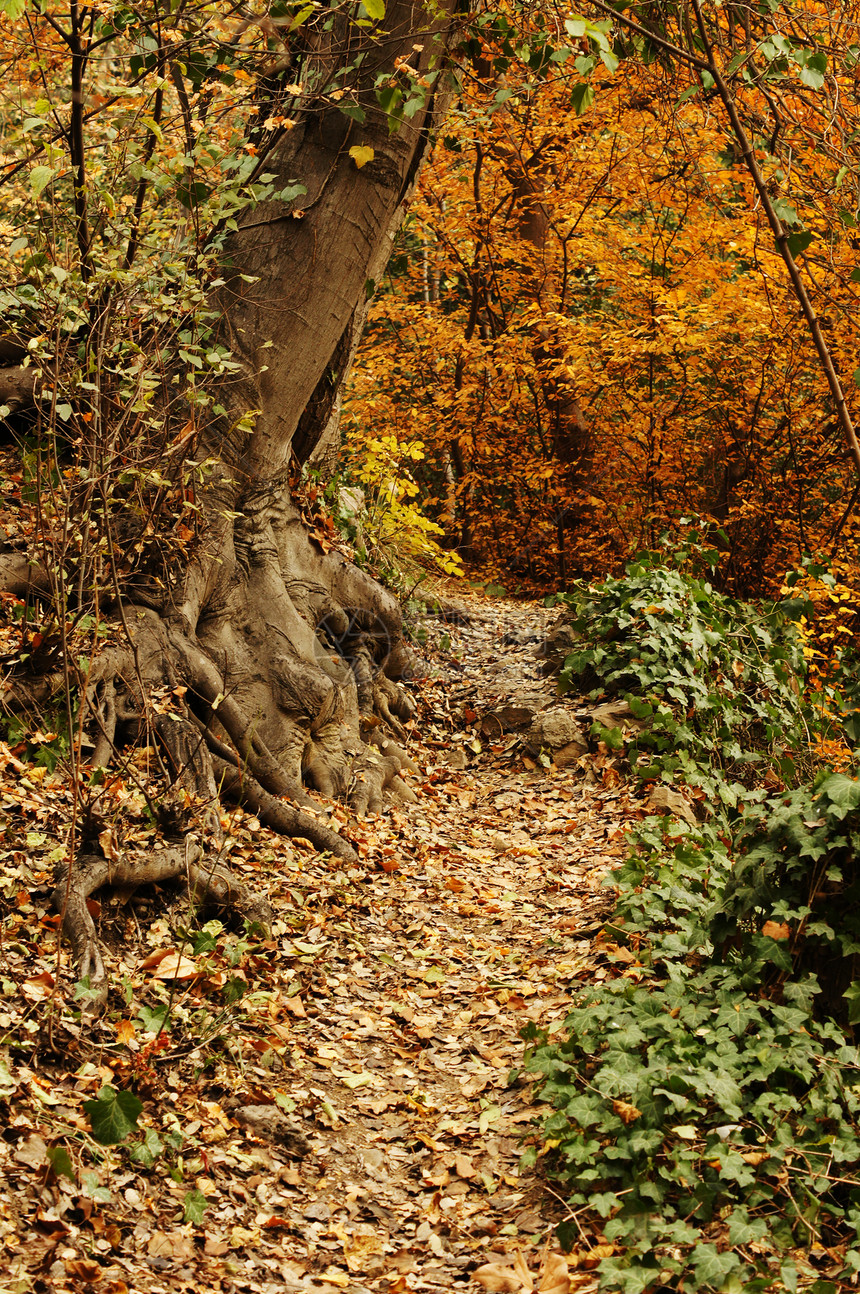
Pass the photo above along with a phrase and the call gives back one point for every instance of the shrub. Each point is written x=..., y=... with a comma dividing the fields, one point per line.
x=706, y=1105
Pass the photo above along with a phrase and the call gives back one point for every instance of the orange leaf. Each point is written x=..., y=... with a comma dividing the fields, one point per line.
x=125, y=1031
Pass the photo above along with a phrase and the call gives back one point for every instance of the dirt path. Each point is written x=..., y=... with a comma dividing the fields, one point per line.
x=357, y=1119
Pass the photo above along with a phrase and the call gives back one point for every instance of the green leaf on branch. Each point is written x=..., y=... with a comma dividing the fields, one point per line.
x=813, y=68
x=786, y=212
x=798, y=243
x=581, y=97
x=40, y=178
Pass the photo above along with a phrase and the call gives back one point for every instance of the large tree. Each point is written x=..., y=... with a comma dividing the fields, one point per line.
x=198, y=203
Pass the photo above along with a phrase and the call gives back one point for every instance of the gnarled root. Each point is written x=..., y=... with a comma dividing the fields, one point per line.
x=91, y=873
x=208, y=883
x=239, y=786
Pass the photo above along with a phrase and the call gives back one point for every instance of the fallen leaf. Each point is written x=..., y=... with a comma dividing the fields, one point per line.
x=108, y=842
x=337, y=1277
x=627, y=1113
x=776, y=930
x=175, y=966
x=499, y=1278
x=175, y=1245
x=361, y=154
x=83, y=1269
x=38, y=986
x=555, y=1277
x=356, y=1080
x=359, y=1248
x=125, y=1031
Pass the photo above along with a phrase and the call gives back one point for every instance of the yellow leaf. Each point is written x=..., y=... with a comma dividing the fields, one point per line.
x=361, y=154
x=356, y=1080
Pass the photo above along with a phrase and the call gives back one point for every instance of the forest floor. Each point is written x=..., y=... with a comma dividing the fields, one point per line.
x=339, y=1107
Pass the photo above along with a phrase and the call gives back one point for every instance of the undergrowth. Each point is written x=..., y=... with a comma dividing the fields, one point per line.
x=707, y=1097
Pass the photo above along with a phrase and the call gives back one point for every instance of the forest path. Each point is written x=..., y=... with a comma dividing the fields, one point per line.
x=355, y=1120
x=478, y=916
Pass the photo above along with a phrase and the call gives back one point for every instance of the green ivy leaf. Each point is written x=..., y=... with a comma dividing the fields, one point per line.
x=146, y=1152
x=194, y=1206
x=713, y=1267
x=852, y=996
x=113, y=1115
x=842, y=791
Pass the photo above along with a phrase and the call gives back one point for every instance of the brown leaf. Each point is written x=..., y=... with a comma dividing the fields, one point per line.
x=555, y=1278
x=776, y=930
x=83, y=1269
x=626, y=1112
x=175, y=1245
x=108, y=842
x=360, y=1250
x=125, y=1031
x=499, y=1278
x=38, y=986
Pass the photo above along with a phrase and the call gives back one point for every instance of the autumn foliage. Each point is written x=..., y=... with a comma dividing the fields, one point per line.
x=591, y=330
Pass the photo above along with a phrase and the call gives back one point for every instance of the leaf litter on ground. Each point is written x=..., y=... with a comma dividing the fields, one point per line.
x=337, y=1106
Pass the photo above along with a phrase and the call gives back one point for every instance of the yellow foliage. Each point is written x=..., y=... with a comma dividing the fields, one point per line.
x=395, y=525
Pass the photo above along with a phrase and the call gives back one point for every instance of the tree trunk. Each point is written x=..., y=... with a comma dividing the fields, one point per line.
x=298, y=637
x=282, y=662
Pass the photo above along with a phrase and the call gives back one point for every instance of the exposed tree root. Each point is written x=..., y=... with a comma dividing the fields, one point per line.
x=208, y=883
x=245, y=703
x=20, y=576
x=277, y=814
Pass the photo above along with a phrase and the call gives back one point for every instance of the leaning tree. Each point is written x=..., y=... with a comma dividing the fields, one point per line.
x=198, y=201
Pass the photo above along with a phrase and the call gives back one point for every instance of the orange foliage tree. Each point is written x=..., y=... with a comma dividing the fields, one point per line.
x=590, y=325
